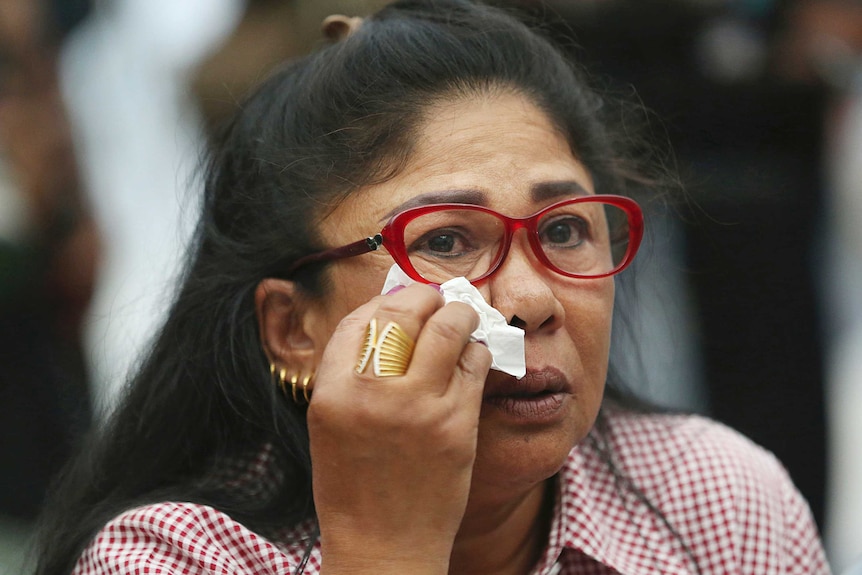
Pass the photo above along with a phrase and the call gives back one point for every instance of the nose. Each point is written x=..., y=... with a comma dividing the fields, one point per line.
x=521, y=289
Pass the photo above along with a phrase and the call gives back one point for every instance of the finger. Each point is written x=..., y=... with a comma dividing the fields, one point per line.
x=441, y=344
x=388, y=343
x=409, y=308
x=471, y=371
x=467, y=383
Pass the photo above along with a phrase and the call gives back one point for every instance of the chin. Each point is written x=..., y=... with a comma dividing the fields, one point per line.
x=516, y=459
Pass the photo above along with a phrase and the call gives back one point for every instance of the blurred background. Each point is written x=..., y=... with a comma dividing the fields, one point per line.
x=750, y=286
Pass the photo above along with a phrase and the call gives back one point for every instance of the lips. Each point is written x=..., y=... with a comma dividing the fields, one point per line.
x=539, y=397
x=548, y=380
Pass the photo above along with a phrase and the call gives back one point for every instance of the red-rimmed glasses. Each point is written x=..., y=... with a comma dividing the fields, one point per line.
x=584, y=237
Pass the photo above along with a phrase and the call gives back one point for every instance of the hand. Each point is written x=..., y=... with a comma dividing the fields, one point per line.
x=392, y=457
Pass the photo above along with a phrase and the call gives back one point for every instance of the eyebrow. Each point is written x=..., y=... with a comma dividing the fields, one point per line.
x=539, y=192
x=543, y=191
x=475, y=197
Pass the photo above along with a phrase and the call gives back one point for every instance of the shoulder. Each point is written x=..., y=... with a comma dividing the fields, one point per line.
x=718, y=489
x=682, y=460
x=181, y=538
x=658, y=447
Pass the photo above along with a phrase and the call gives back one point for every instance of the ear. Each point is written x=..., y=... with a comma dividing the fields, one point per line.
x=282, y=312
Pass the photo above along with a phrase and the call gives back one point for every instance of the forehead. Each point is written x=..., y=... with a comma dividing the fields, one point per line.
x=498, y=150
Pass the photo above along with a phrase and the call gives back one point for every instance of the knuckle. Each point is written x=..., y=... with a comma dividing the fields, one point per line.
x=481, y=352
x=474, y=370
x=350, y=323
x=399, y=310
x=399, y=314
x=467, y=312
x=475, y=362
x=447, y=330
x=414, y=297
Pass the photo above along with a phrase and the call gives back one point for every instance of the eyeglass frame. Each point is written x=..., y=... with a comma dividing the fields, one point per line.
x=392, y=236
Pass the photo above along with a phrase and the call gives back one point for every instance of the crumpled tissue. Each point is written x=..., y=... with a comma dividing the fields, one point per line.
x=505, y=342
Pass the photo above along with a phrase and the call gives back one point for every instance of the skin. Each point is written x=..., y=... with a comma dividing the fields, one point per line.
x=417, y=473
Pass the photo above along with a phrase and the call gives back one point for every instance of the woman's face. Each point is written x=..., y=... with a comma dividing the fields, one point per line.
x=502, y=152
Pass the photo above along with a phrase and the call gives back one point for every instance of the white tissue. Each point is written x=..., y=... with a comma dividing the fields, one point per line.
x=505, y=342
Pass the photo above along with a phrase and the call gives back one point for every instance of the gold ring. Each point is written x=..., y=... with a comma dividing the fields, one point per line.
x=389, y=353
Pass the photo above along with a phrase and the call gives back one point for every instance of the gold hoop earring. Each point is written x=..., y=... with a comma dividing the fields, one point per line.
x=282, y=381
x=294, y=381
x=305, y=391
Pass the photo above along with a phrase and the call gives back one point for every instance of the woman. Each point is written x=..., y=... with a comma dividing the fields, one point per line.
x=268, y=432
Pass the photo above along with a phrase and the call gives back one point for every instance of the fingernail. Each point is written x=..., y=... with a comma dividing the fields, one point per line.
x=437, y=287
x=396, y=289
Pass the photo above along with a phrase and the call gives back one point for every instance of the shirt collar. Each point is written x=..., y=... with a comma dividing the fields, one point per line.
x=597, y=515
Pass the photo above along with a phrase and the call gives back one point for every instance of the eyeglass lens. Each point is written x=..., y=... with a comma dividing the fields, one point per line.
x=588, y=239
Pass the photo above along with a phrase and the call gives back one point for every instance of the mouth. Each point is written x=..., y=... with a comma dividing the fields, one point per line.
x=539, y=395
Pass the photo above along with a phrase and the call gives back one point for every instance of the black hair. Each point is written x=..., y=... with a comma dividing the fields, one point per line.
x=317, y=129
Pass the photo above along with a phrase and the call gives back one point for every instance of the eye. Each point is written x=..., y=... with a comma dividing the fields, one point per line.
x=564, y=232
x=442, y=243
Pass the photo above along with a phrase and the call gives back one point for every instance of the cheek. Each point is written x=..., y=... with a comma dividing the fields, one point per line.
x=589, y=316
x=351, y=283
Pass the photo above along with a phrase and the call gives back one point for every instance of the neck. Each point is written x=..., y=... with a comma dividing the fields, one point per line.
x=515, y=529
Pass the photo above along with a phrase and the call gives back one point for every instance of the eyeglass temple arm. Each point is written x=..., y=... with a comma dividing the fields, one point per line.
x=357, y=248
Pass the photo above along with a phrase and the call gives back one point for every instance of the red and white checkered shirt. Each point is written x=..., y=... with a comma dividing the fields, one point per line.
x=731, y=505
